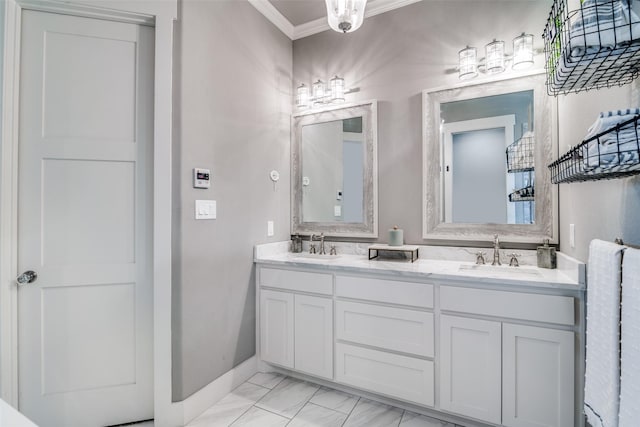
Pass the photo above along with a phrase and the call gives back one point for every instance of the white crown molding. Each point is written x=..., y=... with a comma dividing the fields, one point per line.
x=376, y=7
x=276, y=18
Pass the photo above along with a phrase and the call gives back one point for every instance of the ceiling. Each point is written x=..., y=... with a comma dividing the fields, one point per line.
x=299, y=12
x=302, y=18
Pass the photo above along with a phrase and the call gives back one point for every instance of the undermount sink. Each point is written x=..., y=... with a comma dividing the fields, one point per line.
x=492, y=270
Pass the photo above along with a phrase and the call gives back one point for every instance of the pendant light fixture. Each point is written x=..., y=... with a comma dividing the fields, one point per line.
x=345, y=16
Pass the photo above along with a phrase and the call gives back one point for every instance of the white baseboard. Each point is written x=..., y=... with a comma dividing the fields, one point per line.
x=210, y=394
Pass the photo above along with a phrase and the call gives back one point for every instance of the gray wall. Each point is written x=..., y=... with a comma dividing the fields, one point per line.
x=232, y=115
x=396, y=55
x=393, y=57
x=599, y=209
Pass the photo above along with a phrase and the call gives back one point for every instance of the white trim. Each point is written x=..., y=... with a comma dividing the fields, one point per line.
x=9, y=207
x=276, y=18
x=331, y=107
x=210, y=394
x=295, y=32
x=164, y=13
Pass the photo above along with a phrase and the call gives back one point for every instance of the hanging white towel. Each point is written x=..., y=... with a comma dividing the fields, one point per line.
x=630, y=360
x=602, y=377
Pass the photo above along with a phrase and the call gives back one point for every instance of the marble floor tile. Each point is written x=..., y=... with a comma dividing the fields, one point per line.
x=231, y=407
x=288, y=397
x=410, y=419
x=256, y=417
x=266, y=379
x=368, y=413
x=316, y=416
x=334, y=399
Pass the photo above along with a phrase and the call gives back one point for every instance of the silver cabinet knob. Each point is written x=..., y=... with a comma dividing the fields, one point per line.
x=28, y=276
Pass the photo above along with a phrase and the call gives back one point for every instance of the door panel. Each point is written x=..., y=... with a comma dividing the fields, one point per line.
x=84, y=206
x=276, y=327
x=470, y=368
x=313, y=338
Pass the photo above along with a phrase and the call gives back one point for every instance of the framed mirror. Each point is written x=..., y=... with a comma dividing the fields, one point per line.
x=334, y=175
x=486, y=148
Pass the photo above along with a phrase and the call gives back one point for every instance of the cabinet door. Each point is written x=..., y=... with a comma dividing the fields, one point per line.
x=314, y=335
x=470, y=377
x=276, y=327
x=538, y=376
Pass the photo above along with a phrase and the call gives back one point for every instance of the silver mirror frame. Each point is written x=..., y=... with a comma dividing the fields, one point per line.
x=369, y=227
x=546, y=194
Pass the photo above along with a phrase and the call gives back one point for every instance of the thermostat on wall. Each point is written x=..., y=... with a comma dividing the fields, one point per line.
x=201, y=178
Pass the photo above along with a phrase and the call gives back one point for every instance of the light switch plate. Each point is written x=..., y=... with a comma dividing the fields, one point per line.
x=269, y=228
x=206, y=209
x=337, y=210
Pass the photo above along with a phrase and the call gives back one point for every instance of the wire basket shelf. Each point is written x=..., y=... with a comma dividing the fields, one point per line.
x=520, y=154
x=614, y=153
x=595, y=46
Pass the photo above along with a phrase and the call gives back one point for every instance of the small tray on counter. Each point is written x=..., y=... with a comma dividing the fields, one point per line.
x=374, y=251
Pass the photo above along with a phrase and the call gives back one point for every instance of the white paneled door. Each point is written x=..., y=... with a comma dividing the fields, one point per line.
x=85, y=221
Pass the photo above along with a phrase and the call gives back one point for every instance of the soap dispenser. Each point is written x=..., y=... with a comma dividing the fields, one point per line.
x=546, y=255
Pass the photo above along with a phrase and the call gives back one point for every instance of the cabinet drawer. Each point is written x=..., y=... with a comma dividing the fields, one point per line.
x=388, y=291
x=385, y=373
x=319, y=283
x=535, y=307
x=398, y=329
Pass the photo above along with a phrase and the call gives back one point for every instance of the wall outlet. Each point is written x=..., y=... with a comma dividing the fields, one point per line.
x=337, y=210
x=572, y=235
x=269, y=228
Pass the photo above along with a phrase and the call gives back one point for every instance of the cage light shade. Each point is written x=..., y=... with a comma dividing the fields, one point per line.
x=302, y=96
x=522, y=51
x=318, y=91
x=467, y=63
x=495, y=57
x=345, y=16
x=336, y=85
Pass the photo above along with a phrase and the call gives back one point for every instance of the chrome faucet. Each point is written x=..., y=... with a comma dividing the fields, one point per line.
x=312, y=246
x=496, y=251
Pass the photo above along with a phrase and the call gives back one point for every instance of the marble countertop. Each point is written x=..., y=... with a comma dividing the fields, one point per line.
x=568, y=276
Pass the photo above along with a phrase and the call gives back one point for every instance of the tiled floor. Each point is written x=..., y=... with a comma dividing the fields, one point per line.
x=273, y=400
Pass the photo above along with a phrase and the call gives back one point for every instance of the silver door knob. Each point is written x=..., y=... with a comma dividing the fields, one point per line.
x=28, y=276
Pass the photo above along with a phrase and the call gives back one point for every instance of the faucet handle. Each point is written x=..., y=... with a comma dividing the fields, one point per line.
x=514, y=259
x=312, y=248
x=480, y=257
x=333, y=250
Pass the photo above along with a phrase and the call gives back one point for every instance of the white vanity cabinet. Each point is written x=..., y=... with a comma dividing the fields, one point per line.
x=511, y=374
x=470, y=367
x=385, y=333
x=496, y=353
x=296, y=330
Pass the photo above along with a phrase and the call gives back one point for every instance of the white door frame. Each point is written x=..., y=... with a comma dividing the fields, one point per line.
x=161, y=14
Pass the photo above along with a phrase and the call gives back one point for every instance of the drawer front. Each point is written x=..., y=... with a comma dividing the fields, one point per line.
x=387, y=291
x=407, y=331
x=393, y=375
x=319, y=283
x=539, y=308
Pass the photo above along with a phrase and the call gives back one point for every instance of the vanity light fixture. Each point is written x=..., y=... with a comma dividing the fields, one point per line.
x=494, y=54
x=496, y=60
x=467, y=58
x=345, y=16
x=522, y=51
x=320, y=94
